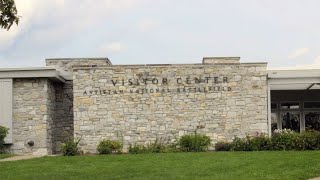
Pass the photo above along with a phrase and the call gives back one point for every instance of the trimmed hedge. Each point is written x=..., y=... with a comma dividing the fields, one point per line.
x=280, y=140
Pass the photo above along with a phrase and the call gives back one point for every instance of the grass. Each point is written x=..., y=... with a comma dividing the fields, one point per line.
x=209, y=165
x=2, y=156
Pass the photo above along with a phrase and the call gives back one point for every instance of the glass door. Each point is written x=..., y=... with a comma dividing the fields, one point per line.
x=291, y=120
x=290, y=116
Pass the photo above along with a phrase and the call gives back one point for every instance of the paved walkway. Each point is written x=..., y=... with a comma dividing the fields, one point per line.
x=16, y=158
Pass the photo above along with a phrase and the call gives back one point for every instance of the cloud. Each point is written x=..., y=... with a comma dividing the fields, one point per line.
x=298, y=52
x=120, y=4
x=26, y=11
x=48, y=21
x=147, y=25
x=314, y=65
x=112, y=47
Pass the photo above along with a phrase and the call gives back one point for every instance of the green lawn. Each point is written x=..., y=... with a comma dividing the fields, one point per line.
x=210, y=165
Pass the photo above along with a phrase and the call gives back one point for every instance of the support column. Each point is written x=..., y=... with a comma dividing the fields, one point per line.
x=269, y=110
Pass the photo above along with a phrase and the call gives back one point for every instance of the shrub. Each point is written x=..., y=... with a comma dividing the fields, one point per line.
x=156, y=147
x=260, y=142
x=284, y=140
x=109, y=146
x=240, y=144
x=222, y=146
x=3, y=133
x=308, y=140
x=194, y=143
x=137, y=149
x=280, y=140
x=70, y=148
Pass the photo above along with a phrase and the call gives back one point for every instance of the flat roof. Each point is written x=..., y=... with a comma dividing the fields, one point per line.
x=34, y=72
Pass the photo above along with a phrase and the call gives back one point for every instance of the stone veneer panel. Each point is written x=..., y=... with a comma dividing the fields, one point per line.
x=62, y=128
x=63, y=119
x=33, y=110
x=67, y=64
x=104, y=110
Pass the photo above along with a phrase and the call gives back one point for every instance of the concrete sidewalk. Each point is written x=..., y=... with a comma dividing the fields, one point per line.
x=17, y=158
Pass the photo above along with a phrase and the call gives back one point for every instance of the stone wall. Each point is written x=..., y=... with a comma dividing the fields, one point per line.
x=51, y=111
x=138, y=104
x=63, y=120
x=67, y=64
x=33, y=110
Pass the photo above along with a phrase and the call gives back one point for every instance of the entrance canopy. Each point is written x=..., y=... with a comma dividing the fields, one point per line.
x=294, y=79
x=294, y=99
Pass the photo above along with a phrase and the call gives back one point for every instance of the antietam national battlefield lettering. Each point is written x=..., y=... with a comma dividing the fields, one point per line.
x=163, y=85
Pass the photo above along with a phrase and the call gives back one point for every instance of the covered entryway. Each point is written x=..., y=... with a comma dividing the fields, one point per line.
x=294, y=100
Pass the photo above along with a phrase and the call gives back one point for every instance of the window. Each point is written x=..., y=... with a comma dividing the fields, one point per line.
x=274, y=106
x=312, y=105
x=290, y=105
x=312, y=121
x=291, y=120
x=274, y=121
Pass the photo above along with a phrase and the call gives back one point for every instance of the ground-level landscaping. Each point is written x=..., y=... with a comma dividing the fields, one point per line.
x=206, y=165
x=2, y=156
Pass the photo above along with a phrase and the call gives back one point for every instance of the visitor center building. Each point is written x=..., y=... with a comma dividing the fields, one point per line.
x=92, y=99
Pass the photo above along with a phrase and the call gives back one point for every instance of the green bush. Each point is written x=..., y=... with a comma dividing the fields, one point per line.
x=156, y=147
x=194, y=143
x=280, y=140
x=3, y=133
x=284, y=140
x=222, y=146
x=138, y=149
x=260, y=142
x=109, y=146
x=70, y=148
x=240, y=144
x=308, y=140
x=251, y=143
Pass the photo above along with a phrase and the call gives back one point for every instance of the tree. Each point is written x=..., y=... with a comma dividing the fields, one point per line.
x=8, y=14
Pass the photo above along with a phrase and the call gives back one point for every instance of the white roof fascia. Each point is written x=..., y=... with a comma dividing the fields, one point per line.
x=293, y=79
x=311, y=80
x=303, y=73
x=34, y=72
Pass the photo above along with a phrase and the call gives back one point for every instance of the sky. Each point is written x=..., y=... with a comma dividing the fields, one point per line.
x=285, y=33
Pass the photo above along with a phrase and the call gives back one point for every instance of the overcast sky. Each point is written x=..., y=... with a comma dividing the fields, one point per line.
x=284, y=33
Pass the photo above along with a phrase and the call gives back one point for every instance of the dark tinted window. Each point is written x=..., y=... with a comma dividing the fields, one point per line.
x=312, y=121
x=291, y=120
x=312, y=105
x=290, y=105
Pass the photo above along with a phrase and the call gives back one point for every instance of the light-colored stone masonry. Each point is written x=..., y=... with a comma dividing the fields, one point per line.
x=169, y=101
x=33, y=101
x=62, y=128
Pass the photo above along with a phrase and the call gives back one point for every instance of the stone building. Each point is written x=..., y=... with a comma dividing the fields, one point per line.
x=91, y=99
